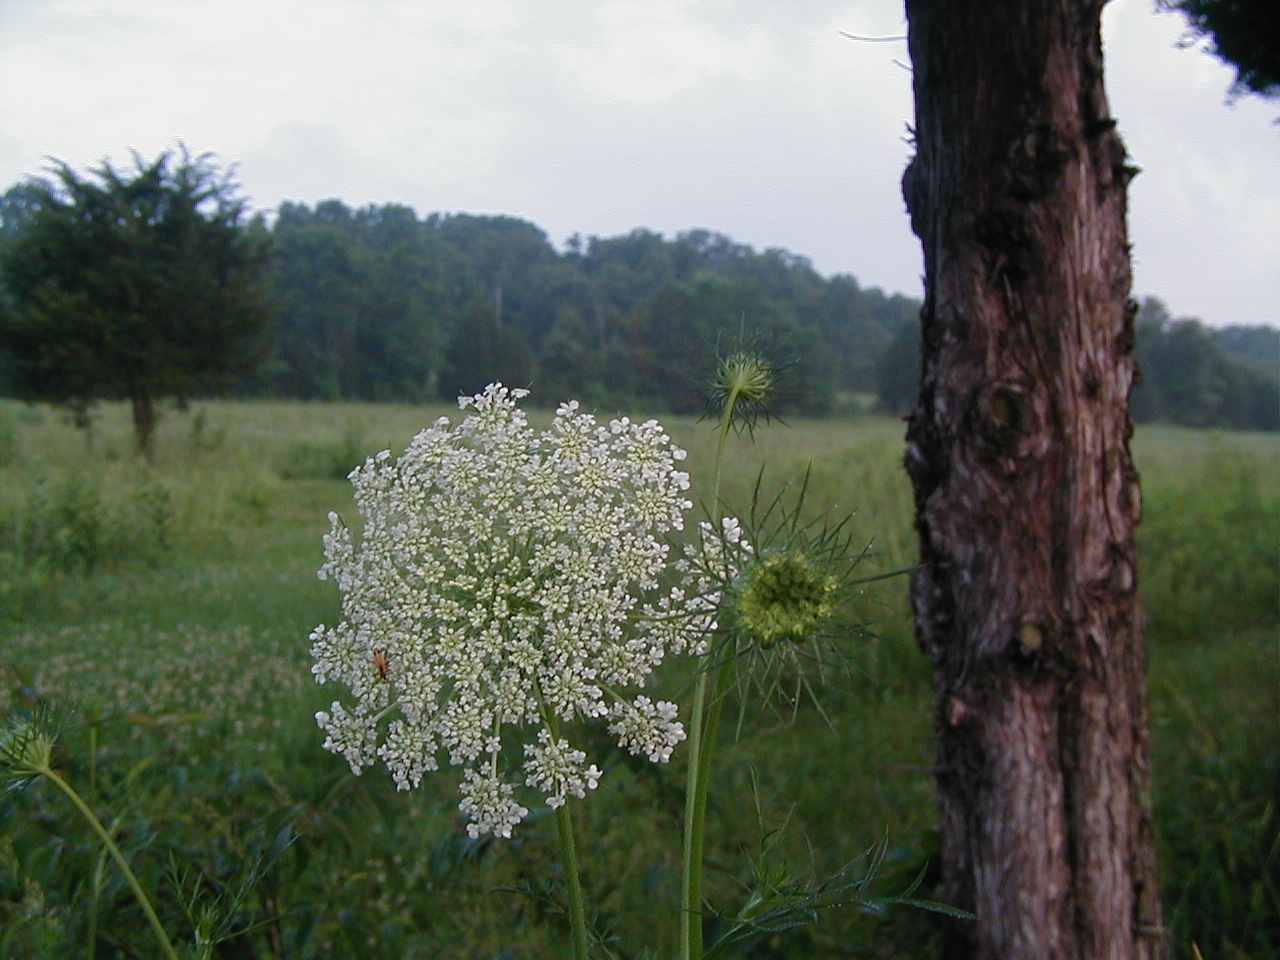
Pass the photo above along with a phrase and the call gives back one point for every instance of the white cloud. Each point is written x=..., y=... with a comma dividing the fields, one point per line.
x=1204, y=211
x=746, y=116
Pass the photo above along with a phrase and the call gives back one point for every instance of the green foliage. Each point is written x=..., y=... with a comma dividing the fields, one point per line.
x=195, y=738
x=326, y=459
x=358, y=298
x=1217, y=777
x=110, y=881
x=205, y=436
x=1241, y=33
x=1257, y=347
x=65, y=527
x=69, y=527
x=1188, y=378
x=898, y=371
x=132, y=287
x=571, y=366
x=8, y=438
x=481, y=352
x=377, y=304
x=1209, y=548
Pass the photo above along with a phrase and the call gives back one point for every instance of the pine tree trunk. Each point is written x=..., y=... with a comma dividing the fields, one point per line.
x=1026, y=495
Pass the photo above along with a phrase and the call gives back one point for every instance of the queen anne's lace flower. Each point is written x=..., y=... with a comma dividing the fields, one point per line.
x=646, y=728
x=558, y=768
x=507, y=578
x=716, y=559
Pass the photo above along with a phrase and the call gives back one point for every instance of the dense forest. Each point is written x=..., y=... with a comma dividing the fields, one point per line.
x=379, y=304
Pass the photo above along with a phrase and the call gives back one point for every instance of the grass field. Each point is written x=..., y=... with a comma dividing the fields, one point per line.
x=168, y=607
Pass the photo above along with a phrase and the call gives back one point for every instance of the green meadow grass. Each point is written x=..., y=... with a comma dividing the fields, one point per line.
x=168, y=606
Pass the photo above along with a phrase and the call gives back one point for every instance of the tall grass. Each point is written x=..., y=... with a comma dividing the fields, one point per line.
x=170, y=606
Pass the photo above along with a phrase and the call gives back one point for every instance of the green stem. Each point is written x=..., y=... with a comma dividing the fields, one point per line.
x=93, y=761
x=726, y=424
x=568, y=854
x=92, y=939
x=702, y=735
x=116, y=855
x=696, y=807
x=691, y=887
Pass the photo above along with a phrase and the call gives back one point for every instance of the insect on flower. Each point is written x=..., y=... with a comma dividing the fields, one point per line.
x=381, y=663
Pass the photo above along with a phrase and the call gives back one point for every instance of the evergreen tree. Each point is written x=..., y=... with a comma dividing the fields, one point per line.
x=134, y=286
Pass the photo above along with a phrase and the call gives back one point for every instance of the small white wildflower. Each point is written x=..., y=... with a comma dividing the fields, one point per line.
x=732, y=529
x=646, y=728
x=408, y=753
x=351, y=734
x=559, y=769
x=490, y=805
x=503, y=575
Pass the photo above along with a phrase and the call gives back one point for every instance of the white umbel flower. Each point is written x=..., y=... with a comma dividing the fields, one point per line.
x=506, y=578
x=559, y=769
x=646, y=728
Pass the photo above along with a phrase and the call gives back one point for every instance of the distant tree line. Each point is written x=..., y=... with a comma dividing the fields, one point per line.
x=378, y=304
x=1190, y=374
x=1201, y=377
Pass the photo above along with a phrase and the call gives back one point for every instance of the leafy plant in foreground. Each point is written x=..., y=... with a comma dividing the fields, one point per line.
x=505, y=579
x=26, y=755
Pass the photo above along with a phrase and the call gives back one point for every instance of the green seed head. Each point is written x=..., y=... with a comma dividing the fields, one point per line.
x=26, y=747
x=786, y=598
x=741, y=389
x=746, y=376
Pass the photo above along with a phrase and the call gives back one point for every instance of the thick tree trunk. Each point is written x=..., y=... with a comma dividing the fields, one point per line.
x=1026, y=495
x=144, y=419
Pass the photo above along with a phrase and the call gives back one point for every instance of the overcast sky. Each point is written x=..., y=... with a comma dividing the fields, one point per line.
x=754, y=118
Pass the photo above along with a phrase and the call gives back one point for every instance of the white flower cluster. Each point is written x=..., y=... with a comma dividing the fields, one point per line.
x=558, y=768
x=635, y=725
x=504, y=578
x=716, y=559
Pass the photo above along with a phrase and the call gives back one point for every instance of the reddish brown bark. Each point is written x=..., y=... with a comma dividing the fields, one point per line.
x=1026, y=495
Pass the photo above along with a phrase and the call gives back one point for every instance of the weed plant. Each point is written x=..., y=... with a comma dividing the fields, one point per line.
x=189, y=732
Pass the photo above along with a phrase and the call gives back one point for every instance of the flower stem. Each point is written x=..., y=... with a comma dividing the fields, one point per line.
x=703, y=724
x=726, y=424
x=569, y=854
x=691, y=886
x=116, y=855
x=701, y=750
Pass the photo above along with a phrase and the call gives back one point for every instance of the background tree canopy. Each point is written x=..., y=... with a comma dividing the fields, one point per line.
x=1244, y=34
x=131, y=286
x=379, y=304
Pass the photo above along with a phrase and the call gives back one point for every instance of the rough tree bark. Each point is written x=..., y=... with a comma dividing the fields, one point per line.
x=1026, y=495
